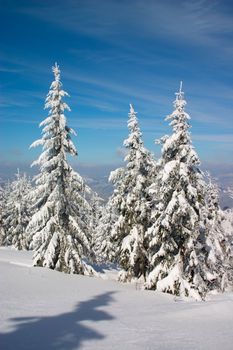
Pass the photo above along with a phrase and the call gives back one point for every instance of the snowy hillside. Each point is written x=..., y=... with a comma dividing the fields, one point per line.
x=45, y=309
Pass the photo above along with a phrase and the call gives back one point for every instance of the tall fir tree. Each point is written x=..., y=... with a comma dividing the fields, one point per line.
x=177, y=240
x=130, y=200
x=60, y=225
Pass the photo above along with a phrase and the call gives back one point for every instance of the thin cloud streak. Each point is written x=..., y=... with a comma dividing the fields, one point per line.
x=222, y=138
x=204, y=21
x=126, y=94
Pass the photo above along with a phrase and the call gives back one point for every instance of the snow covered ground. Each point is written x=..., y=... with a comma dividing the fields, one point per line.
x=45, y=309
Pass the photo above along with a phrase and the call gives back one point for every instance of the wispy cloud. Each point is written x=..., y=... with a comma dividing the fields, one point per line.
x=200, y=22
x=140, y=92
x=222, y=138
x=110, y=123
x=94, y=102
x=128, y=55
x=10, y=70
x=219, y=118
x=18, y=120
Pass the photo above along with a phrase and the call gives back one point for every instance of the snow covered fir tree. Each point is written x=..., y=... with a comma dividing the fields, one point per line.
x=60, y=225
x=1, y=215
x=218, y=239
x=130, y=201
x=104, y=246
x=5, y=223
x=230, y=192
x=17, y=212
x=177, y=238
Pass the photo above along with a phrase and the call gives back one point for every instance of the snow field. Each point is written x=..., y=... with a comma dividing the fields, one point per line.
x=45, y=309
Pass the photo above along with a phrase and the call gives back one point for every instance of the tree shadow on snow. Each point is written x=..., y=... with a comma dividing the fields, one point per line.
x=61, y=332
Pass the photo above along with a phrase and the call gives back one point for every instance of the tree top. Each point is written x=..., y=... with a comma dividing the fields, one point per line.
x=56, y=71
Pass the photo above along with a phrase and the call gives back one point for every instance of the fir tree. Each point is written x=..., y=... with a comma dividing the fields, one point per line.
x=131, y=202
x=104, y=247
x=228, y=220
x=17, y=212
x=95, y=202
x=177, y=243
x=6, y=224
x=60, y=225
x=230, y=192
x=218, y=240
x=2, y=205
x=227, y=225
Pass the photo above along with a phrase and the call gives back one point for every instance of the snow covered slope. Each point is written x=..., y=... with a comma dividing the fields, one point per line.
x=41, y=309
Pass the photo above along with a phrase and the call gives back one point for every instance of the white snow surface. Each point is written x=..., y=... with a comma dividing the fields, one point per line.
x=45, y=309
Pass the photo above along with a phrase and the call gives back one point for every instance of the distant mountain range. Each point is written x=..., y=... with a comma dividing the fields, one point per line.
x=97, y=177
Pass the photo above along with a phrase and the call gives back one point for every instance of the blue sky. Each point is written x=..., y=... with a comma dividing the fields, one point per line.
x=112, y=53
